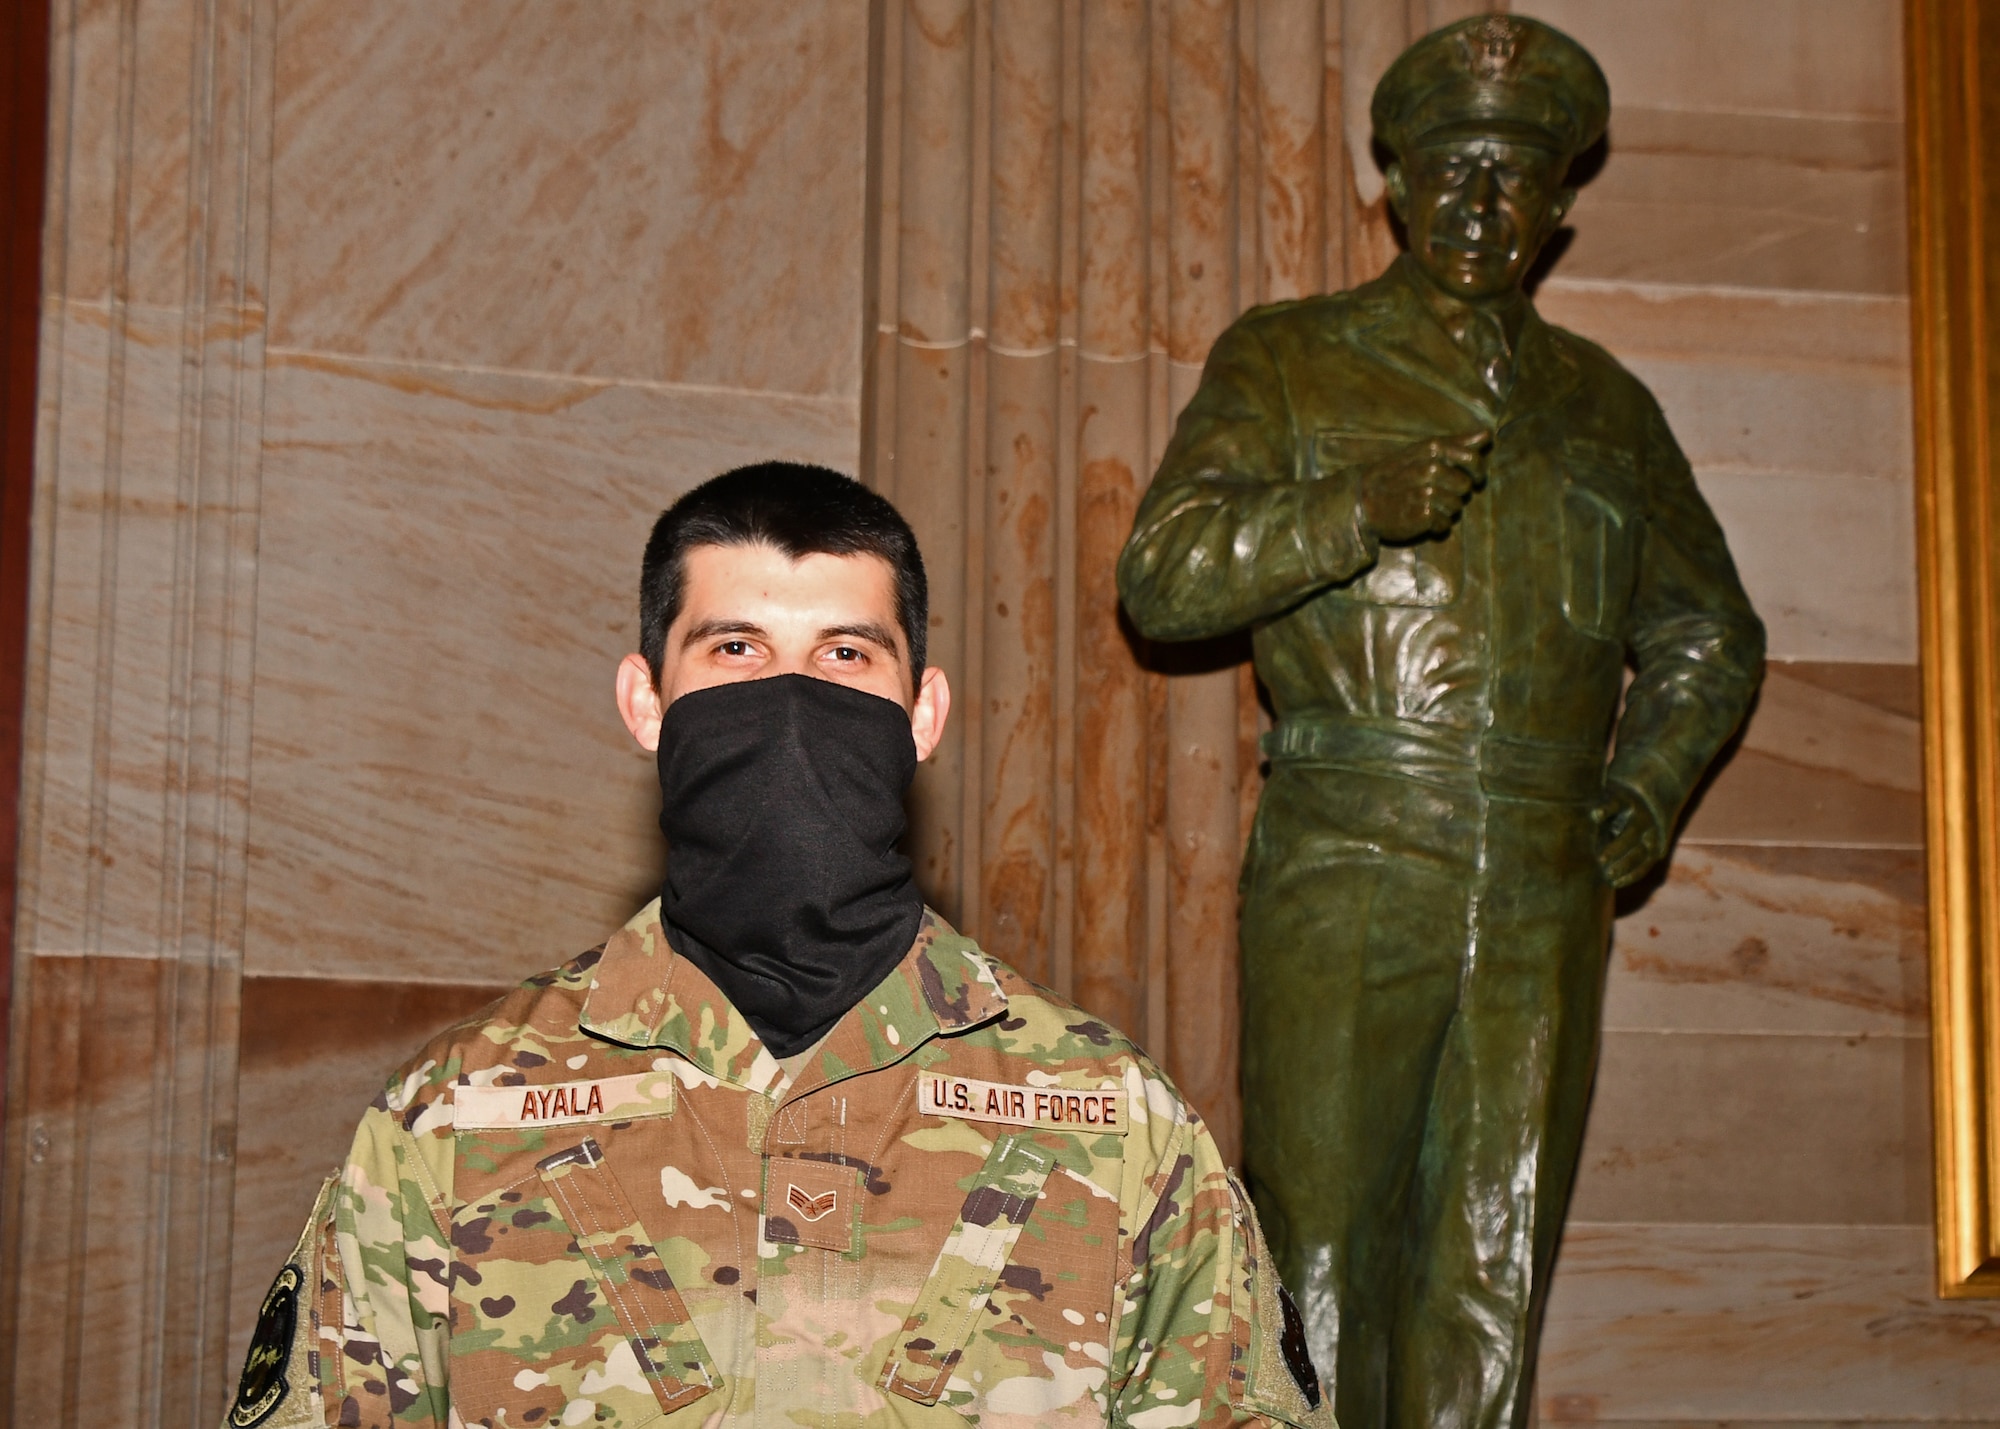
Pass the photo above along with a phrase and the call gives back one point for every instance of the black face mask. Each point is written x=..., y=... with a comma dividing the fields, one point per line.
x=783, y=805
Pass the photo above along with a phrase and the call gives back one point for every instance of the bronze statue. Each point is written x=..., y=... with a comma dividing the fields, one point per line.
x=1449, y=526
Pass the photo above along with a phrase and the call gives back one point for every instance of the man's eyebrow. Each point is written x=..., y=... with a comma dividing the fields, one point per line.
x=709, y=629
x=869, y=630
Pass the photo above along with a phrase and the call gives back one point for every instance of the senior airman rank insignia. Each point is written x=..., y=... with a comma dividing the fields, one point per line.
x=813, y=1208
x=810, y=1202
x=262, y=1388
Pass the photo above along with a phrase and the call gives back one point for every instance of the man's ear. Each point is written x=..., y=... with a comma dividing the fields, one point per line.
x=1399, y=190
x=929, y=713
x=1565, y=200
x=639, y=701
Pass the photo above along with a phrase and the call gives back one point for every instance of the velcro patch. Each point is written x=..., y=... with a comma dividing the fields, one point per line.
x=808, y=1202
x=1097, y=1112
x=564, y=1103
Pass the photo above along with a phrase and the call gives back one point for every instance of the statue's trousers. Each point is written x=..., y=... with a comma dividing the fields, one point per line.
x=1423, y=963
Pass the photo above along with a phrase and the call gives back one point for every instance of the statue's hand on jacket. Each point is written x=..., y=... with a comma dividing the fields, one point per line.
x=1629, y=838
x=1420, y=490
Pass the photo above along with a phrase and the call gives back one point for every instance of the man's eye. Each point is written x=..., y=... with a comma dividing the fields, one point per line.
x=846, y=654
x=733, y=647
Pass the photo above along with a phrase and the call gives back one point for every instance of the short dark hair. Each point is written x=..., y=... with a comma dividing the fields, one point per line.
x=802, y=511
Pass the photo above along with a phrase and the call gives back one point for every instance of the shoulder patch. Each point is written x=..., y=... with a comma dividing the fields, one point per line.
x=263, y=1386
x=1099, y=1111
x=1292, y=1344
x=564, y=1103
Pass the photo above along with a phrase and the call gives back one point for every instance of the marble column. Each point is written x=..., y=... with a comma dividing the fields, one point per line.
x=122, y=1087
x=1024, y=378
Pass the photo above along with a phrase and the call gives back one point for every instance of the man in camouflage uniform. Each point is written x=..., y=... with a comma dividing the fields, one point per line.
x=605, y=1200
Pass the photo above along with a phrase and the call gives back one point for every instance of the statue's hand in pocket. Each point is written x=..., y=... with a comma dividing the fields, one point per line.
x=1629, y=839
x=1420, y=490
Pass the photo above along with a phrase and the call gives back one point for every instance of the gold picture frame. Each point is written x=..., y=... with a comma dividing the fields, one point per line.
x=1952, y=62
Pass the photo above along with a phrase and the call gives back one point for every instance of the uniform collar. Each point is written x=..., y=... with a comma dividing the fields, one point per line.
x=644, y=995
x=1453, y=315
x=1400, y=324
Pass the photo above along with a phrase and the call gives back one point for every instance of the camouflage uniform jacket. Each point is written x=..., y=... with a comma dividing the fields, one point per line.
x=602, y=1201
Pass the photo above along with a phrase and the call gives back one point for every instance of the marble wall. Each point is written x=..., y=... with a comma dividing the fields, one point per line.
x=1752, y=1229
x=376, y=333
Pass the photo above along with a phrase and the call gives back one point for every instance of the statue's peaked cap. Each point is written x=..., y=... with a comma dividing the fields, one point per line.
x=1499, y=75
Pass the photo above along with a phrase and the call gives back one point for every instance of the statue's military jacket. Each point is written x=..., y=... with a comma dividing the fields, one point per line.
x=1496, y=651
x=602, y=1202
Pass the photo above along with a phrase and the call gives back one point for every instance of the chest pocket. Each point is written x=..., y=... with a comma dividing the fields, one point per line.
x=1013, y=1324
x=1601, y=533
x=1424, y=573
x=558, y=1295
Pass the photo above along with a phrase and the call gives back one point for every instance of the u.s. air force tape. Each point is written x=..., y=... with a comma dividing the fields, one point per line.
x=1099, y=1111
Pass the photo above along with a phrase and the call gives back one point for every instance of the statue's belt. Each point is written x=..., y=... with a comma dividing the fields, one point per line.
x=1459, y=758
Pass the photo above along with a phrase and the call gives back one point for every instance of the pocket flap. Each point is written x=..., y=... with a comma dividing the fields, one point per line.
x=669, y=1348
x=1604, y=456
x=939, y=1325
x=1610, y=472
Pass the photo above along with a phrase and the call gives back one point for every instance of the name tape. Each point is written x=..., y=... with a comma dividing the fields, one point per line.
x=1099, y=1112
x=565, y=1103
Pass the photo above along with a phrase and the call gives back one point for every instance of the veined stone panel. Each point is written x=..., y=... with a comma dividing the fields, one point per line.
x=1805, y=415
x=669, y=190
x=1772, y=1128
x=1699, y=1324
x=1775, y=938
x=1820, y=57
x=1706, y=322
x=1753, y=144
x=1828, y=560
x=1829, y=756
x=1784, y=201
x=90, y=1208
x=1741, y=248
x=115, y=1211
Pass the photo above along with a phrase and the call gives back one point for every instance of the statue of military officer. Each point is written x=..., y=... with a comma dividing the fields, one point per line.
x=1450, y=528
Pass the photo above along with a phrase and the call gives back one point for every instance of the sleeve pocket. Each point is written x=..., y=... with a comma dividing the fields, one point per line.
x=1274, y=1374
x=280, y=1387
